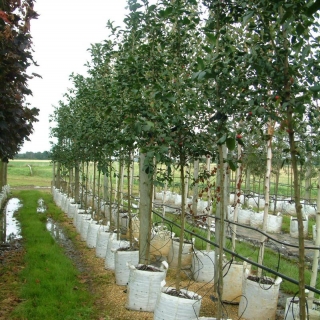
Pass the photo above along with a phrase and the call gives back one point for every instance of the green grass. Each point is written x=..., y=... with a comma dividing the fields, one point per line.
x=19, y=173
x=51, y=288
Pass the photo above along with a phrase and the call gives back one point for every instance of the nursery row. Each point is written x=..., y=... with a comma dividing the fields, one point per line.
x=122, y=257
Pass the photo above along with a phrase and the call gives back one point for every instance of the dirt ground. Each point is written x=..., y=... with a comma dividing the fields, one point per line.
x=111, y=298
x=11, y=262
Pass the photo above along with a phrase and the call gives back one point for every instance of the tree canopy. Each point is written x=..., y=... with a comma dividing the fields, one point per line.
x=16, y=116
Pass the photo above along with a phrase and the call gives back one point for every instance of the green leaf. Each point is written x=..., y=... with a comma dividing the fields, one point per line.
x=207, y=49
x=286, y=16
x=222, y=140
x=232, y=165
x=195, y=75
x=201, y=75
x=211, y=38
x=171, y=97
x=315, y=88
x=300, y=29
x=240, y=141
x=313, y=8
x=231, y=143
x=200, y=63
x=165, y=13
x=247, y=17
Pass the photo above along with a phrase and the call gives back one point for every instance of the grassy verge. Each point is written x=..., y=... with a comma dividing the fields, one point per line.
x=51, y=287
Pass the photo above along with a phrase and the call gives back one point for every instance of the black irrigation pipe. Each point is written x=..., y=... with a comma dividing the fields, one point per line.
x=254, y=229
x=243, y=258
x=268, y=236
x=243, y=226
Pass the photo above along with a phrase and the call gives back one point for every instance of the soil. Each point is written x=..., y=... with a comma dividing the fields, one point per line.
x=262, y=280
x=11, y=262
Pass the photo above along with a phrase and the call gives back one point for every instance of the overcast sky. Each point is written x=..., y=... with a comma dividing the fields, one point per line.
x=61, y=36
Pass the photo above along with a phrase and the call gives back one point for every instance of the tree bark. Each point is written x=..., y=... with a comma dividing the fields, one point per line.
x=145, y=186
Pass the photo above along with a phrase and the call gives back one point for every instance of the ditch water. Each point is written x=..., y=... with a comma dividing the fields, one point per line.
x=53, y=227
x=60, y=237
x=10, y=229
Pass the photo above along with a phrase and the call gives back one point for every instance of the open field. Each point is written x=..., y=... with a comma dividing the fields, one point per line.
x=30, y=173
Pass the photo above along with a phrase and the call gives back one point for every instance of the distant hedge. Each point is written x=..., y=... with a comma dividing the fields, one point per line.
x=33, y=155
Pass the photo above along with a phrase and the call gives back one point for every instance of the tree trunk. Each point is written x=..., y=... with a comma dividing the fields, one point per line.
x=276, y=188
x=220, y=226
x=77, y=182
x=98, y=197
x=315, y=263
x=58, y=178
x=145, y=186
x=195, y=188
x=247, y=185
x=1, y=174
x=296, y=186
x=111, y=193
x=94, y=186
x=86, y=187
x=237, y=197
x=129, y=200
x=266, y=197
x=307, y=192
x=182, y=223
x=209, y=221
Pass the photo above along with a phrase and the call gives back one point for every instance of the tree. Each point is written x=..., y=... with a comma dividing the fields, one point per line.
x=16, y=118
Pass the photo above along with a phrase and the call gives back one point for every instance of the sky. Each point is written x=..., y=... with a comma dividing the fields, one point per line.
x=61, y=36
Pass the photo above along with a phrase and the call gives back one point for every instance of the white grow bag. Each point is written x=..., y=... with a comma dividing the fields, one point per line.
x=232, y=281
x=274, y=224
x=258, y=301
x=178, y=200
x=113, y=243
x=203, y=266
x=160, y=243
x=84, y=228
x=63, y=202
x=79, y=218
x=102, y=242
x=202, y=206
x=256, y=219
x=293, y=309
x=144, y=287
x=294, y=233
x=244, y=216
x=122, y=260
x=92, y=234
x=186, y=256
x=72, y=208
x=170, y=307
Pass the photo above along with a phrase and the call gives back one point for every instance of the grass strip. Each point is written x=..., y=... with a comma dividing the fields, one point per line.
x=51, y=286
